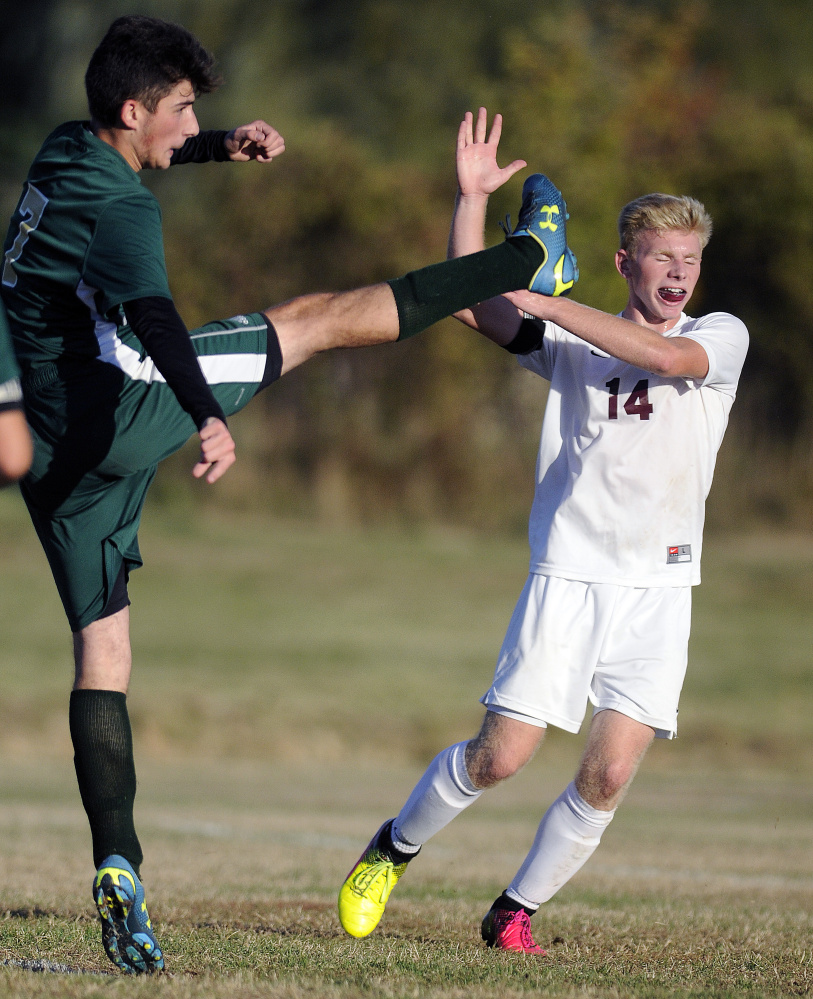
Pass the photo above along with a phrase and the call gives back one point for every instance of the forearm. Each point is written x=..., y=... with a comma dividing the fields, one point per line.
x=467, y=234
x=205, y=147
x=163, y=334
x=15, y=446
x=495, y=318
x=671, y=357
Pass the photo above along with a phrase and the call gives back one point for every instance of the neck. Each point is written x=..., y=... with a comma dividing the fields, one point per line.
x=658, y=325
x=119, y=139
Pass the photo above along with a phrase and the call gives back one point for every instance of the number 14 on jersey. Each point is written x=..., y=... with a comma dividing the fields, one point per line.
x=637, y=402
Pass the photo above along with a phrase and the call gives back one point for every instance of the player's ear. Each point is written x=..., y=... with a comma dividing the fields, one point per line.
x=622, y=263
x=131, y=113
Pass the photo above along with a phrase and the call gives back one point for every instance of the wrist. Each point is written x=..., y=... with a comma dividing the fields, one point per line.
x=471, y=197
x=556, y=308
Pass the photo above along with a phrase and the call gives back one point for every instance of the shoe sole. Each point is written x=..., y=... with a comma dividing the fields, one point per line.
x=135, y=952
x=552, y=271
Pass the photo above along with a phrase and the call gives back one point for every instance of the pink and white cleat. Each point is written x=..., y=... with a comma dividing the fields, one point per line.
x=508, y=930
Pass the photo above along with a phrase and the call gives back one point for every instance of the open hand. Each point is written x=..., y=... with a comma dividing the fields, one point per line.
x=477, y=171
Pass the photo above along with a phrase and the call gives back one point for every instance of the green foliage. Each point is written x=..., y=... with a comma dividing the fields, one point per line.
x=611, y=98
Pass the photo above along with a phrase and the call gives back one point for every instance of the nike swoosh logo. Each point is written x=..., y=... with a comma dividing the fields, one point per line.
x=598, y=353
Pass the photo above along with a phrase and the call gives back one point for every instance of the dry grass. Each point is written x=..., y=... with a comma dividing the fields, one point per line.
x=699, y=888
x=289, y=685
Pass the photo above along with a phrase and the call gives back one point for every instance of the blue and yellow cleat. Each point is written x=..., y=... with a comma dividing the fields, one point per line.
x=127, y=934
x=542, y=217
x=367, y=888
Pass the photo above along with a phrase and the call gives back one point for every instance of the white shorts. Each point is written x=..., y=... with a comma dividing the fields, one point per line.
x=620, y=647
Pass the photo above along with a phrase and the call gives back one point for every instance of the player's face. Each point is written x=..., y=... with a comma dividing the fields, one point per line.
x=168, y=127
x=661, y=277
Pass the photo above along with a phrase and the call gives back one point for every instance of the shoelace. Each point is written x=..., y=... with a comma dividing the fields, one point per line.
x=525, y=932
x=522, y=921
x=364, y=879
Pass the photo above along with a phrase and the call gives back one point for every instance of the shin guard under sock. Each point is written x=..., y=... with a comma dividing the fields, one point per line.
x=103, y=757
x=425, y=296
x=568, y=835
x=443, y=792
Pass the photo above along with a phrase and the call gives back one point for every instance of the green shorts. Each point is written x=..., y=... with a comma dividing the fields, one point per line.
x=99, y=433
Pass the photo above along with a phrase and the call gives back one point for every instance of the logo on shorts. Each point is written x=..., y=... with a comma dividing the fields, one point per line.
x=678, y=553
x=243, y=320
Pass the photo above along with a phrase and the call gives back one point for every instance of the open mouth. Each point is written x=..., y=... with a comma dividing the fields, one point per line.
x=672, y=296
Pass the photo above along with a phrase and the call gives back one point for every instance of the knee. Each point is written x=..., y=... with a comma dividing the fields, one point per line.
x=488, y=765
x=603, y=786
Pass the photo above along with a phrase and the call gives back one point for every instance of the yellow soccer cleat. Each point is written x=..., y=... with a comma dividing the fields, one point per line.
x=367, y=888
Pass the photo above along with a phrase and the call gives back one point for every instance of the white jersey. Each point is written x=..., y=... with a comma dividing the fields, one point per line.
x=627, y=457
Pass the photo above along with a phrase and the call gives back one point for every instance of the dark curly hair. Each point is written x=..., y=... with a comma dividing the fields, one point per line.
x=143, y=58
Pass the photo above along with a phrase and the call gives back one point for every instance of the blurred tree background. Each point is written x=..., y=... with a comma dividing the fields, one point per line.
x=612, y=98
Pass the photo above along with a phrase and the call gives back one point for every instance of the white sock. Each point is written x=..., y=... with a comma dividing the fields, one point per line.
x=567, y=836
x=442, y=793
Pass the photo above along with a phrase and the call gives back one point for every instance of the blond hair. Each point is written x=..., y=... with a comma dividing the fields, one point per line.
x=661, y=212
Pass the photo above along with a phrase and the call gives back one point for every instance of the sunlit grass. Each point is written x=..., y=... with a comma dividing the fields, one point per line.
x=698, y=889
x=291, y=681
x=396, y=632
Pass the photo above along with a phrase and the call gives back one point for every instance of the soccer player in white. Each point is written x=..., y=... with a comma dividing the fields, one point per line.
x=636, y=412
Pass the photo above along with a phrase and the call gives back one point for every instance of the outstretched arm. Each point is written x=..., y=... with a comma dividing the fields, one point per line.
x=256, y=141
x=671, y=357
x=478, y=176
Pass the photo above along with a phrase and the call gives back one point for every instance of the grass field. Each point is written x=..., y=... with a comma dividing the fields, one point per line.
x=290, y=684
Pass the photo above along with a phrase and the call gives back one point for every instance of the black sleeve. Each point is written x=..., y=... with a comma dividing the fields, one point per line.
x=163, y=334
x=529, y=337
x=204, y=147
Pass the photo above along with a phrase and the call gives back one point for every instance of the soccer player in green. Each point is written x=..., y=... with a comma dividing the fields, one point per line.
x=15, y=441
x=113, y=382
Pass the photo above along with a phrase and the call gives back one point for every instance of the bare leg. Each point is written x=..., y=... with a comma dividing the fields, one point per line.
x=458, y=775
x=381, y=313
x=615, y=747
x=102, y=656
x=313, y=323
x=102, y=739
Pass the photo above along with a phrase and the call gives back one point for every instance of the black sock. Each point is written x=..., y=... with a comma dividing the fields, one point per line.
x=425, y=296
x=385, y=843
x=103, y=757
x=511, y=904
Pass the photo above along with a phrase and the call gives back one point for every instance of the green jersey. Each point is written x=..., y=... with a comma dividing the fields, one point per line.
x=85, y=244
x=85, y=238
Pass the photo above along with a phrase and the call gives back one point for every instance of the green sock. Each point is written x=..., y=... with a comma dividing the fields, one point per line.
x=103, y=757
x=427, y=295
